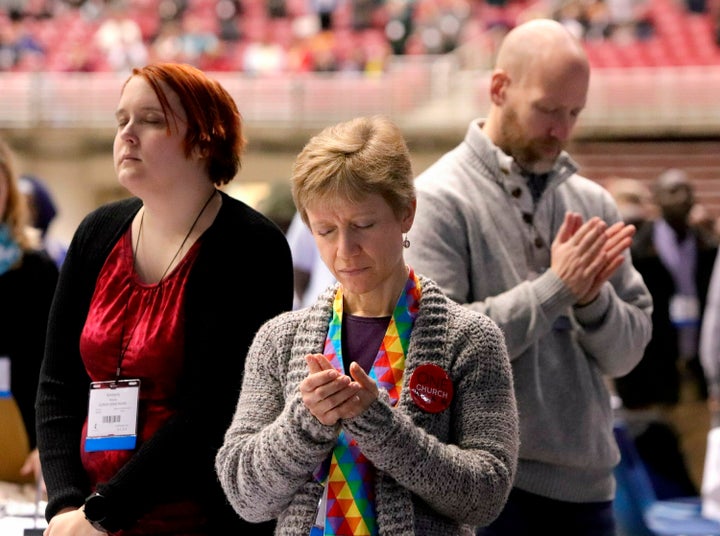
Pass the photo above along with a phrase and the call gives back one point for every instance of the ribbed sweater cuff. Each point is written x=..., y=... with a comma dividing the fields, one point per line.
x=553, y=295
x=593, y=313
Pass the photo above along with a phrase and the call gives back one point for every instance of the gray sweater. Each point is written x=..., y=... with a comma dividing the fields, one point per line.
x=436, y=474
x=479, y=235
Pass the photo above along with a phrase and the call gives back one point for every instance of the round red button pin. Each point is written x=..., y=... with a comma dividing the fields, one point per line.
x=431, y=388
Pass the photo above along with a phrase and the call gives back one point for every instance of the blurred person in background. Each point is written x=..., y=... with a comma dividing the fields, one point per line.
x=159, y=298
x=507, y=227
x=676, y=260
x=19, y=49
x=633, y=198
x=650, y=392
x=120, y=38
x=199, y=43
x=264, y=56
x=42, y=213
x=27, y=282
x=277, y=204
x=702, y=219
x=311, y=274
x=325, y=10
x=630, y=21
x=384, y=408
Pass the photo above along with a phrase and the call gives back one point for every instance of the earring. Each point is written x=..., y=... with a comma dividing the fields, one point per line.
x=406, y=242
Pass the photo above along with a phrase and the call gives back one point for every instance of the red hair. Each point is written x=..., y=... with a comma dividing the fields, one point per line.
x=214, y=124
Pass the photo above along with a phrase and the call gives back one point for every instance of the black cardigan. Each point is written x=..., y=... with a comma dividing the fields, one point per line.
x=26, y=292
x=241, y=277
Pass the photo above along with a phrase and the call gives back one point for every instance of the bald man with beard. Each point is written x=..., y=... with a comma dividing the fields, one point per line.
x=507, y=226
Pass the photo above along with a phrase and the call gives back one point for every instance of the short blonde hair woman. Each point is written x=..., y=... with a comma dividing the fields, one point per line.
x=384, y=408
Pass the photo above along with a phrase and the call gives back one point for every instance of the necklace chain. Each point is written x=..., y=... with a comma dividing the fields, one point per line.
x=194, y=223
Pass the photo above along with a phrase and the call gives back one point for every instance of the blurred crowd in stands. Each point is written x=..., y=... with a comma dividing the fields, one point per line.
x=267, y=37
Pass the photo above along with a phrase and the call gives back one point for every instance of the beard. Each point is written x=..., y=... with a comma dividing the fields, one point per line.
x=536, y=155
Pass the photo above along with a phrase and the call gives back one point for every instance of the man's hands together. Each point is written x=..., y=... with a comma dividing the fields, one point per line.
x=585, y=255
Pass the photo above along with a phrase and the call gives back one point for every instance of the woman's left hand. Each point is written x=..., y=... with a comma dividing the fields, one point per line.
x=367, y=392
x=330, y=399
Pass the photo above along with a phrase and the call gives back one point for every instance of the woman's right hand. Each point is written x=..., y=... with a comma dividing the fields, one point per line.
x=71, y=522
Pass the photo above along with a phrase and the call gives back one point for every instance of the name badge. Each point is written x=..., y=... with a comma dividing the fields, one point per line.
x=5, y=377
x=684, y=310
x=112, y=415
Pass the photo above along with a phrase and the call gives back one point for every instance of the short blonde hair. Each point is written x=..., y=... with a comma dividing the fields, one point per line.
x=354, y=159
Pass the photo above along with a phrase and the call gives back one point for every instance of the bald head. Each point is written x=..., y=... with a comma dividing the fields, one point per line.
x=537, y=91
x=539, y=43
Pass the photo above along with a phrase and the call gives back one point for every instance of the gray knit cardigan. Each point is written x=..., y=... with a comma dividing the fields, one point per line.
x=436, y=474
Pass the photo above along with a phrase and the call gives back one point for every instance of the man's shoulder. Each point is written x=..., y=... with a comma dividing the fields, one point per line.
x=590, y=190
x=578, y=180
x=454, y=173
x=437, y=308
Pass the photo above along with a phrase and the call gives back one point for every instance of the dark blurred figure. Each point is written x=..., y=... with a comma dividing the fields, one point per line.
x=278, y=205
x=42, y=213
x=675, y=259
x=325, y=10
x=19, y=49
x=276, y=9
x=229, y=13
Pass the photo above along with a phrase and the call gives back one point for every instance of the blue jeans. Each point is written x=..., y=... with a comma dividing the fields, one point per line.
x=528, y=514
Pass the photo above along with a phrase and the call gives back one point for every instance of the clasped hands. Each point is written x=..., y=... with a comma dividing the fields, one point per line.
x=330, y=395
x=585, y=255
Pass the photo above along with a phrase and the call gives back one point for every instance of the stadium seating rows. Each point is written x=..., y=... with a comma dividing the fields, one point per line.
x=679, y=37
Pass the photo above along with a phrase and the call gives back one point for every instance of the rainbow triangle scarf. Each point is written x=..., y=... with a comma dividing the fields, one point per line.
x=350, y=506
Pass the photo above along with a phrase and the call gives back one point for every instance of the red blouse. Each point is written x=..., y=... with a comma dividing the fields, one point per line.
x=140, y=326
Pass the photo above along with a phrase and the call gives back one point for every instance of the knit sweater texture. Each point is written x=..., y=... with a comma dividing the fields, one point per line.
x=436, y=474
x=478, y=233
x=241, y=277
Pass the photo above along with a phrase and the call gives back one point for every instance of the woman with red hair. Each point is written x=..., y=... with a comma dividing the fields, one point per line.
x=159, y=298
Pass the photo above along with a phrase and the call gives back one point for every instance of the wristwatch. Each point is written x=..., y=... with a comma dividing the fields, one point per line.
x=96, y=511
